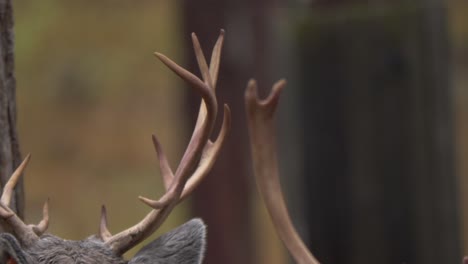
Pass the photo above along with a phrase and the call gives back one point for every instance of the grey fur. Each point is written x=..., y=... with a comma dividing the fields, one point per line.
x=183, y=245
x=10, y=247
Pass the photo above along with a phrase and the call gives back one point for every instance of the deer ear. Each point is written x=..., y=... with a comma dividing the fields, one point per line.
x=10, y=250
x=184, y=245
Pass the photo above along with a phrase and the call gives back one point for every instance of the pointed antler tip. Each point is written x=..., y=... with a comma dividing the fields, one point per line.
x=282, y=81
x=26, y=159
x=151, y=203
x=251, y=90
x=45, y=211
x=227, y=115
x=157, y=144
x=252, y=84
x=279, y=85
x=158, y=55
x=227, y=109
x=103, y=230
x=103, y=225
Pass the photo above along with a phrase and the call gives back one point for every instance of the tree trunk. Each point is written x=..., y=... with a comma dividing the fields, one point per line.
x=224, y=200
x=10, y=156
x=378, y=157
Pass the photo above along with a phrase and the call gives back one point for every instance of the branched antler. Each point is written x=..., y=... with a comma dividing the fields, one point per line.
x=260, y=116
x=197, y=160
x=27, y=234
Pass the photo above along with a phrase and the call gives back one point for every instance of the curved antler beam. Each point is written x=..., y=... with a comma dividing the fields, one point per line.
x=260, y=118
x=197, y=160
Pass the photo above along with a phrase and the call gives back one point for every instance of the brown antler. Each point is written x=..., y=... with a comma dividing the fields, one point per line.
x=196, y=161
x=260, y=116
x=27, y=234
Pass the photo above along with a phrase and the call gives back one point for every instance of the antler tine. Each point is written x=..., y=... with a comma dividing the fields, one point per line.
x=260, y=116
x=210, y=153
x=211, y=150
x=103, y=230
x=198, y=157
x=194, y=149
x=25, y=233
x=216, y=58
x=42, y=226
x=201, y=132
x=193, y=80
x=208, y=157
x=10, y=185
x=202, y=64
x=166, y=171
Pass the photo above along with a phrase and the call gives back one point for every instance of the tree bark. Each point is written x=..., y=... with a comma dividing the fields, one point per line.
x=10, y=156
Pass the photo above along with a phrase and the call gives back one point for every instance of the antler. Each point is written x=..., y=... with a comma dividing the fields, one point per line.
x=197, y=160
x=27, y=234
x=260, y=116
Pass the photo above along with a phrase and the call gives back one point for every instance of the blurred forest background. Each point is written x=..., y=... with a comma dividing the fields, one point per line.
x=373, y=124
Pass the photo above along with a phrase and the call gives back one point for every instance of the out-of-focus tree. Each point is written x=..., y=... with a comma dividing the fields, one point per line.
x=224, y=200
x=10, y=156
x=9, y=146
x=377, y=107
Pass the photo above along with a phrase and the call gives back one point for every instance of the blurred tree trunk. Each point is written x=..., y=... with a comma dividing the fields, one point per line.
x=223, y=200
x=218, y=200
x=10, y=156
x=379, y=168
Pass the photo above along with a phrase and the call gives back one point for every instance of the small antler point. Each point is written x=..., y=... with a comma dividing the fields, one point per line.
x=151, y=203
x=158, y=55
x=251, y=90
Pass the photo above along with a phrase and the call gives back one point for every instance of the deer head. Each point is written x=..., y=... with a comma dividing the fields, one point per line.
x=29, y=244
